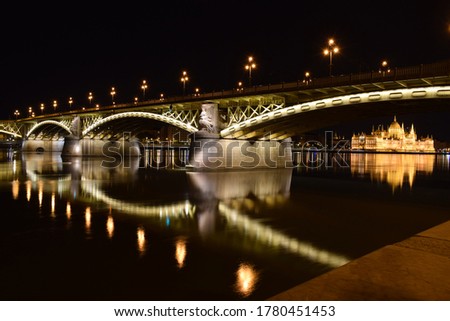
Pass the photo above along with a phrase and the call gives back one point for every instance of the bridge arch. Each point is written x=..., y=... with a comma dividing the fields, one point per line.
x=48, y=122
x=148, y=115
x=246, y=129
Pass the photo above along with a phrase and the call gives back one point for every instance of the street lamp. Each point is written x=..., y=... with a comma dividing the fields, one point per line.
x=197, y=92
x=90, y=96
x=113, y=93
x=307, y=78
x=55, y=105
x=144, y=88
x=30, y=111
x=184, y=78
x=384, y=68
x=135, y=100
x=17, y=113
x=251, y=65
x=42, y=108
x=70, y=102
x=332, y=48
x=240, y=86
x=161, y=97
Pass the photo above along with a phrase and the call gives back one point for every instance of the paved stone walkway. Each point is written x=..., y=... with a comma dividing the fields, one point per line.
x=417, y=268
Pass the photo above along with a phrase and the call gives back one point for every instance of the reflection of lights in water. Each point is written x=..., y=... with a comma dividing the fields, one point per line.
x=394, y=169
x=186, y=207
x=269, y=235
x=179, y=210
x=28, y=187
x=87, y=218
x=14, y=167
x=246, y=279
x=180, y=252
x=15, y=189
x=141, y=239
x=68, y=211
x=40, y=192
x=110, y=226
x=53, y=205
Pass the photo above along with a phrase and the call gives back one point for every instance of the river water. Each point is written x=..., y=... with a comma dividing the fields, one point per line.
x=81, y=229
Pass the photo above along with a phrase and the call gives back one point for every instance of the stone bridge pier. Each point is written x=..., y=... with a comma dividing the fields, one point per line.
x=209, y=151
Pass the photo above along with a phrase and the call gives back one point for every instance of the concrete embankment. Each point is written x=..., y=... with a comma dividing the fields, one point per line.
x=417, y=268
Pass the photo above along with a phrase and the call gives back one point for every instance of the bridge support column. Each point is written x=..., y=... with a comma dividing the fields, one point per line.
x=209, y=151
x=216, y=153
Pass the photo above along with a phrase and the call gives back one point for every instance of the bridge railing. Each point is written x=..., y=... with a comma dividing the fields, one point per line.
x=401, y=73
x=437, y=69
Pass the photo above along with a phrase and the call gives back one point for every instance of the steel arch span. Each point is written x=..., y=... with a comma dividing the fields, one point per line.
x=48, y=122
x=157, y=117
x=275, y=124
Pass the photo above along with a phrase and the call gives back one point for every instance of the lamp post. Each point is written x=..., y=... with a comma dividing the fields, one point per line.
x=307, y=78
x=184, y=78
x=250, y=66
x=16, y=113
x=70, y=102
x=384, y=68
x=161, y=97
x=30, y=111
x=55, y=105
x=197, y=92
x=332, y=49
x=144, y=88
x=90, y=96
x=42, y=108
x=239, y=88
x=113, y=93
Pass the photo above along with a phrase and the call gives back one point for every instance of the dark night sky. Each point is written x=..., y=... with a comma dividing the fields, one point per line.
x=52, y=52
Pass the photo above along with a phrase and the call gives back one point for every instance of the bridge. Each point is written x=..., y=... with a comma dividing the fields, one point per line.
x=259, y=113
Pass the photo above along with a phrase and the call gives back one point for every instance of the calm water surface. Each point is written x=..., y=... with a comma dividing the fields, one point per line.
x=77, y=230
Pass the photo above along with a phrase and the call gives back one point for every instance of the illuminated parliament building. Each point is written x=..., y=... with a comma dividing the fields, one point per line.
x=394, y=139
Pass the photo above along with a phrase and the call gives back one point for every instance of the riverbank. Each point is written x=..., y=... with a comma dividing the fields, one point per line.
x=417, y=268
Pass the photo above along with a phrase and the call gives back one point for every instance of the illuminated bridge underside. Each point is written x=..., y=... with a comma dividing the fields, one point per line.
x=146, y=115
x=10, y=128
x=301, y=118
x=50, y=128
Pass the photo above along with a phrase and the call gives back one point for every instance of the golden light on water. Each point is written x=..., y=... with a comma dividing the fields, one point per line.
x=68, y=211
x=28, y=189
x=53, y=205
x=141, y=242
x=87, y=218
x=180, y=252
x=394, y=169
x=246, y=279
x=110, y=226
x=40, y=192
x=15, y=189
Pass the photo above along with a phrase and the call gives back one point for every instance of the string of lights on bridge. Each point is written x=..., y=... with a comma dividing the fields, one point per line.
x=331, y=50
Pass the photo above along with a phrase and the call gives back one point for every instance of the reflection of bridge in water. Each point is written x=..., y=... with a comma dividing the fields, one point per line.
x=214, y=197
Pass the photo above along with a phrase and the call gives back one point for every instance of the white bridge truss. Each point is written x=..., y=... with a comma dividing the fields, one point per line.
x=11, y=128
x=252, y=108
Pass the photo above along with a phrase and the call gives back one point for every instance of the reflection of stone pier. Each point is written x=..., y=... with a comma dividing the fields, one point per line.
x=42, y=145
